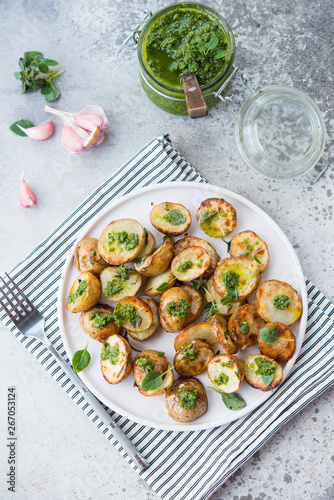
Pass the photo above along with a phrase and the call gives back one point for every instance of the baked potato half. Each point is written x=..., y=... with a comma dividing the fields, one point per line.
x=262, y=372
x=216, y=217
x=121, y=241
x=150, y=331
x=193, y=358
x=226, y=372
x=118, y=282
x=196, y=303
x=277, y=301
x=99, y=323
x=116, y=359
x=238, y=274
x=133, y=314
x=158, y=261
x=244, y=325
x=149, y=245
x=202, y=331
x=84, y=293
x=148, y=361
x=212, y=294
x=193, y=241
x=190, y=264
x=87, y=258
x=248, y=244
x=156, y=285
x=173, y=309
x=219, y=327
x=169, y=218
x=186, y=400
x=281, y=349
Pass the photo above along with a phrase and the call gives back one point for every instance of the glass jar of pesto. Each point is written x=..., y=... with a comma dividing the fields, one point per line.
x=183, y=38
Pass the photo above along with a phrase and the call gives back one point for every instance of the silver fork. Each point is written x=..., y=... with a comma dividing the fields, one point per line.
x=30, y=322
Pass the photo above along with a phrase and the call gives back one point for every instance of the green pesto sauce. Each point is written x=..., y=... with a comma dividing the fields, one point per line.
x=281, y=302
x=265, y=367
x=172, y=47
x=230, y=279
x=145, y=364
x=122, y=239
x=113, y=288
x=100, y=320
x=110, y=352
x=189, y=352
x=178, y=308
x=222, y=379
x=79, y=291
x=244, y=327
x=174, y=217
x=185, y=266
x=188, y=399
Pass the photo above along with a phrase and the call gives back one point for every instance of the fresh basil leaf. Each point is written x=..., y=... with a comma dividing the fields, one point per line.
x=222, y=53
x=267, y=379
x=49, y=62
x=151, y=381
x=269, y=335
x=233, y=292
x=232, y=401
x=80, y=360
x=257, y=259
x=136, y=321
x=212, y=43
x=225, y=301
x=22, y=123
x=43, y=68
x=162, y=287
x=175, y=217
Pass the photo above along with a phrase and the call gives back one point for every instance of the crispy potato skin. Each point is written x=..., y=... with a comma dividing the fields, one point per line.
x=175, y=411
x=196, y=303
x=149, y=248
x=99, y=334
x=87, y=258
x=283, y=349
x=142, y=309
x=158, y=261
x=234, y=371
x=156, y=281
x=172, y=323
x=246, y=312
x=225, y=310
x=150, y=331
x=193, y=241
x=219, y=327
x=130, y=286
x=225, y=221
x=201, y=330
x=255, y=380
x=89, y=298
x=120, y=255
x=161, y=365
x=199, y=259
x=264, y=305
x=157, y=218
x=249, y=276
x=114, y=374
x=249, y=242
x=187, y=367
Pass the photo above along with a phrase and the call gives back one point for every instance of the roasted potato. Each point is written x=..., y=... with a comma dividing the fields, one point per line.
x=169, y=218
x=244, y=325
x=202, y=331
x=116, y=285
x=173, y=309
x=158, y=284
x=212, y=294
x=236, y=273
x=87, y=258
x=262, y=372
x=216, y=217
x=84, y=293
x=149, y=245
x=148, y=361
x=98, y=322
x=133, y=314
x=122, y=241
x=196, y=303
x=116, y=359
x=158, y=261
x=226, y=372
x=283, y=348
x=277, y=301
x=248, y=244
x=219, y=327
x=146, y=334
x=190, y=264
x=192, y=358
x=193, y=241
x=186, y=400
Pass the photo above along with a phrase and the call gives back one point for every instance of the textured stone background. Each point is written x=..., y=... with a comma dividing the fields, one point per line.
x=61, y=454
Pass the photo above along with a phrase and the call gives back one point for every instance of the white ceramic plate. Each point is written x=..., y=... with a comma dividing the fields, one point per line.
x=124, y=397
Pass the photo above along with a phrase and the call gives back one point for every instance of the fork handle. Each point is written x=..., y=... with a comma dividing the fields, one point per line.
x=117, y=432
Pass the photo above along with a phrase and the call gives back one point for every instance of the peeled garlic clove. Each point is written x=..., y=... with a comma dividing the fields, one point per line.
x=74, y=139
x=39, y=133
x=27, y=196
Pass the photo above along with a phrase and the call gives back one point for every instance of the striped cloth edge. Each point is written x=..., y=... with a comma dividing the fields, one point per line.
x=184, y=465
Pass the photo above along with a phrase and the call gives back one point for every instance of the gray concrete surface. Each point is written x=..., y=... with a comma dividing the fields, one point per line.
x=61, y=455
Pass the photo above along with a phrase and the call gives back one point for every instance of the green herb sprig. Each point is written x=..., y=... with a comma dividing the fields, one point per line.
x=81, y=359
x=37, y=74
x=153, y=380
x=232, y=401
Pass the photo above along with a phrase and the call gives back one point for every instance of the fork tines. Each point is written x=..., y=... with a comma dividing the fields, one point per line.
x=15, y=297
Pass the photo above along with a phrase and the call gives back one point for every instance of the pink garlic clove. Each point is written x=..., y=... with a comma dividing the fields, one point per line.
x=26, y=195
x=39, y=133
x=90, y=121
x=74, y=139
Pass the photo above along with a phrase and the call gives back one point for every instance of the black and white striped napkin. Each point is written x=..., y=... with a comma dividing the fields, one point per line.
x=184, y=465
